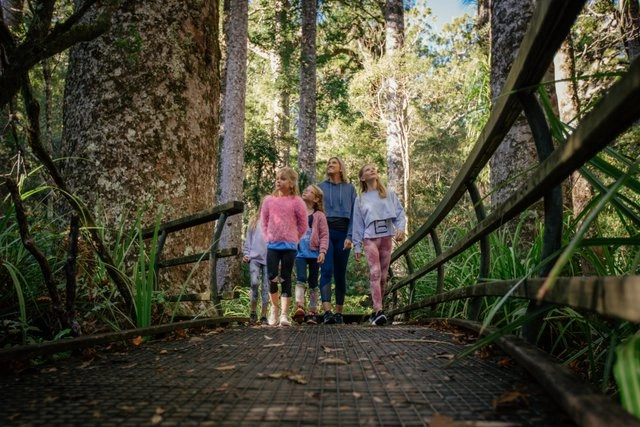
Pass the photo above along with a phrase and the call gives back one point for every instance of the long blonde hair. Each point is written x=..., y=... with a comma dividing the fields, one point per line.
x=382, y=190
x=253, y=220
x=291, y=176
x=343, y=168
x=317, y=191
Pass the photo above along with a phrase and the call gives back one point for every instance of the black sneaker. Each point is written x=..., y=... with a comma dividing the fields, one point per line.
x=264, y=321
x=328, y=318
x=253, y=318
x=310, y=319
x=378, y=319
x=338, y=318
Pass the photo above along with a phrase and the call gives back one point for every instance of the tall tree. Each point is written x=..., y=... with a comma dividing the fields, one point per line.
x=232, y=153
x=516, y=154
x=630, y=14
x=141, y=115
x=396, y=103
x=566, y=89
x=307, y=110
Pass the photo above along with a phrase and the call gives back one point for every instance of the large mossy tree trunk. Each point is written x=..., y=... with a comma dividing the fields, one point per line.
x=142, y=116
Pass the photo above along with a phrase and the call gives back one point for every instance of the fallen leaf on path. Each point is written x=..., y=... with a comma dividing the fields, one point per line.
x=226, y=368
x=510, y=399
x=447, y=356
x=332, y=361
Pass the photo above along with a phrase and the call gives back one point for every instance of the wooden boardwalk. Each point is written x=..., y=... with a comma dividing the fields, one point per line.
x=343, y=375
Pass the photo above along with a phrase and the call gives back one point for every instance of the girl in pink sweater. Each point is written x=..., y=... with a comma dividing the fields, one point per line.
x=311, y=251
x=284, y=222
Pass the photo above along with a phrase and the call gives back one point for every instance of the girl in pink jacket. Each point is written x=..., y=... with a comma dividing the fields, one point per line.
x=284, y=222
x=311, y=251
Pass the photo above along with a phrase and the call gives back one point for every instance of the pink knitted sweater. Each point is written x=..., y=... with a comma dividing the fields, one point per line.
x=284, y=219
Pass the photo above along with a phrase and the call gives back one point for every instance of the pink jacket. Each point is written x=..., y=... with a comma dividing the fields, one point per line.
x=284, y=219
x=319, y=239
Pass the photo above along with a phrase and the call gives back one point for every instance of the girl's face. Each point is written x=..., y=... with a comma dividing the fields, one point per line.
x=308, y=195
x=368, y=172
x=283, y=184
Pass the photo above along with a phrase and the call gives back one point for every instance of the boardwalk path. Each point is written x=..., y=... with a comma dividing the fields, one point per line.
x=338, y=375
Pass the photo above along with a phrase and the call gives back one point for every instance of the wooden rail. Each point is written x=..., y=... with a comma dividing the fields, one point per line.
x=218, y=214
x=618, y=110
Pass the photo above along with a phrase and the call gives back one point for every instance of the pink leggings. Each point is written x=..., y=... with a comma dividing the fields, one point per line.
x=378, y=253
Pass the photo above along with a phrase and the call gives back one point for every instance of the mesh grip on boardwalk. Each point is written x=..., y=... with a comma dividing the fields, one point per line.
x=332, y=375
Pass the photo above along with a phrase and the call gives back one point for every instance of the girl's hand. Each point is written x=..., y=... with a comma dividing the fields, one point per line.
x=245, y=259
x=321, y=258
x=399, y=236
x=357, y=255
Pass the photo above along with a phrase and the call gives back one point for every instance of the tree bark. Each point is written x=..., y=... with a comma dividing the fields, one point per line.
x=516, y=154
x=630, y=14
x=396, y=106
x=569, y=113
x=307, y=114
x=232, y=158
x=141, y=118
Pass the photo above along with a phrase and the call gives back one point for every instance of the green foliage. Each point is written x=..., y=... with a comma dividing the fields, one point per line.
x=627, y=374
x=144, y=278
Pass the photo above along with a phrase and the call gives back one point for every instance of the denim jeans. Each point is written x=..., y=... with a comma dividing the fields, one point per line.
x=335, y=267
x=258, y=271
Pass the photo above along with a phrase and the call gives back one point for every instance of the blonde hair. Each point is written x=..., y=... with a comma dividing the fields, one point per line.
x=290, y=175
x=253, y=220
x=343, y=168
x=382, y=190
x=317, y=191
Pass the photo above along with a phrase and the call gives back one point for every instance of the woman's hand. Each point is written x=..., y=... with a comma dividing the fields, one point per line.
x=348, y=244
x=321, y=258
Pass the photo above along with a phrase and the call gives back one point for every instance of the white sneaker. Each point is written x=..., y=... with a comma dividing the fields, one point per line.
x=284, y=321
x=273, y=316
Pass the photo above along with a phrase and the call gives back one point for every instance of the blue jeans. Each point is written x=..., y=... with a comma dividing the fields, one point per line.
x=335, y=267
x=301, y=271
x=258, y=271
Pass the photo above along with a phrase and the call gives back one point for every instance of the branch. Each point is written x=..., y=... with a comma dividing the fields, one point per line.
x=33, y=247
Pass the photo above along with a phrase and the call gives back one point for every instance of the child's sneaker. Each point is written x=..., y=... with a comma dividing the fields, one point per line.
x=328, y=318
x=299, y=315
x=338, y=319
x=378, y=319
x=310, y=318
x=253, y=318
x=263, y=320
x=274, y=313
x=284, y=320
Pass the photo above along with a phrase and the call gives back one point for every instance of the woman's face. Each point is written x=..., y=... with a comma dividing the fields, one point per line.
x=333, y=167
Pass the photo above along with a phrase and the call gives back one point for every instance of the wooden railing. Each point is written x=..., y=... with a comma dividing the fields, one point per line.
x=217, y=214
x=617, y=111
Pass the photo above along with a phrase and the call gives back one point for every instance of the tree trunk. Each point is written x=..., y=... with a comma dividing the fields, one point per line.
x=141, y=117
x=280, y=66
x=307, y=114
x=630, y=14
x=232, y=158
x=569, y=110
x=516, y=154
x=396, y=111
